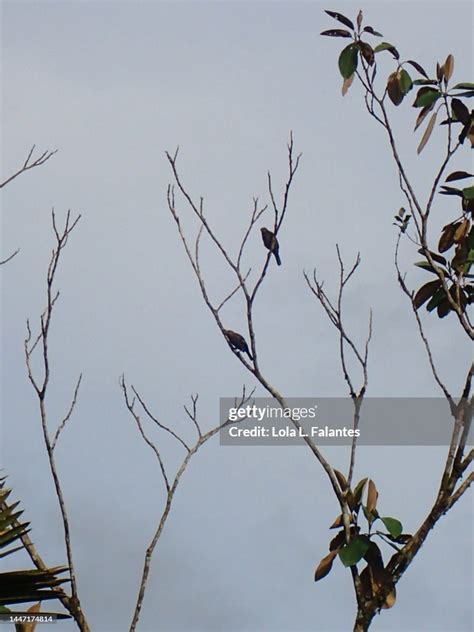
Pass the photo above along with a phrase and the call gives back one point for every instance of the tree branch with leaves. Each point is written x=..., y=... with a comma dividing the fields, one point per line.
x=452, y=291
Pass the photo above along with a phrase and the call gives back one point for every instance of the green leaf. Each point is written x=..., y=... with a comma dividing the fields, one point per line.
x=425, y=266
x=436, y=300
x=434, y=256
x=463, y=86
x=389, y=47
x=426, y=96
x=353, y=552
x=370, y=516
x=468, y=193
x=394, y=526
x=405, y=81
x=348, y=60
x=425, y=82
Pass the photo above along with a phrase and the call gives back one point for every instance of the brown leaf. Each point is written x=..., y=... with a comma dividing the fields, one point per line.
x=29, y=626
x=337, y=524
x=462, y=230
x=359, y=488
x=447, y=237
x=351, y=501
x=390, y=599
x=418, y=67
x=338, y=541
x=439, y=71
x=346, y=84
x=340, y=18
x=448, y=67
x=367, y=52
x=426, y=136
x=341, y=479
x=461, y=253
x=425, y=292
x=458, y=175
x=373, y=556
x=460, y=110
x=393, y=88
x=374, y=579
x=324, y=566
x=422, y=115
x=372, y=495
x=360, y=17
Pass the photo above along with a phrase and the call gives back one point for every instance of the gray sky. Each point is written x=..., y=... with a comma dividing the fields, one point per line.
x=112, y=86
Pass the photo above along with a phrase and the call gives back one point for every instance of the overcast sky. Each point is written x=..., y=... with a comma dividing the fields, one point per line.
x=113, y=85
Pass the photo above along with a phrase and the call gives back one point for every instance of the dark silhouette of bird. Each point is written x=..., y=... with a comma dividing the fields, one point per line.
x=271, y=242
x=237, y=342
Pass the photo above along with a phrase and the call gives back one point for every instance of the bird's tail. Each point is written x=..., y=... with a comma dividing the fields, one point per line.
x=277, y=257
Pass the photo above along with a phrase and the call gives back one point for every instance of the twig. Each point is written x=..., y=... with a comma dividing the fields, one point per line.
x=10, y=257
x=68, y=414
x=46, y=155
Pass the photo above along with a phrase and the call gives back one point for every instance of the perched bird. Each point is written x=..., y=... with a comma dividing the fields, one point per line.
x=271, y=242
x=237, y=342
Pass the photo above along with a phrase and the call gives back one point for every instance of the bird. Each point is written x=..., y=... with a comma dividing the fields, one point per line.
x=271, y=242
x=237, y=342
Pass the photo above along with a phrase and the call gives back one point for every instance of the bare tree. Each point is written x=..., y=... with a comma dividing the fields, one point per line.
x=375, y=584
x=39, y=343
x=133, y=401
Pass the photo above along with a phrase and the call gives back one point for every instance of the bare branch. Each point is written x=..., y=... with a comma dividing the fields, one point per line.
x=130, y=405
x=68, y=414
x=193, y=415
x=158, y=423
x=171, y=490
x=10, y=257
x=40, y=386
x=249, y=294
x=29, y=164
x=256, y=214
x=421, y=331
x=234, y=291
x=334, y=313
